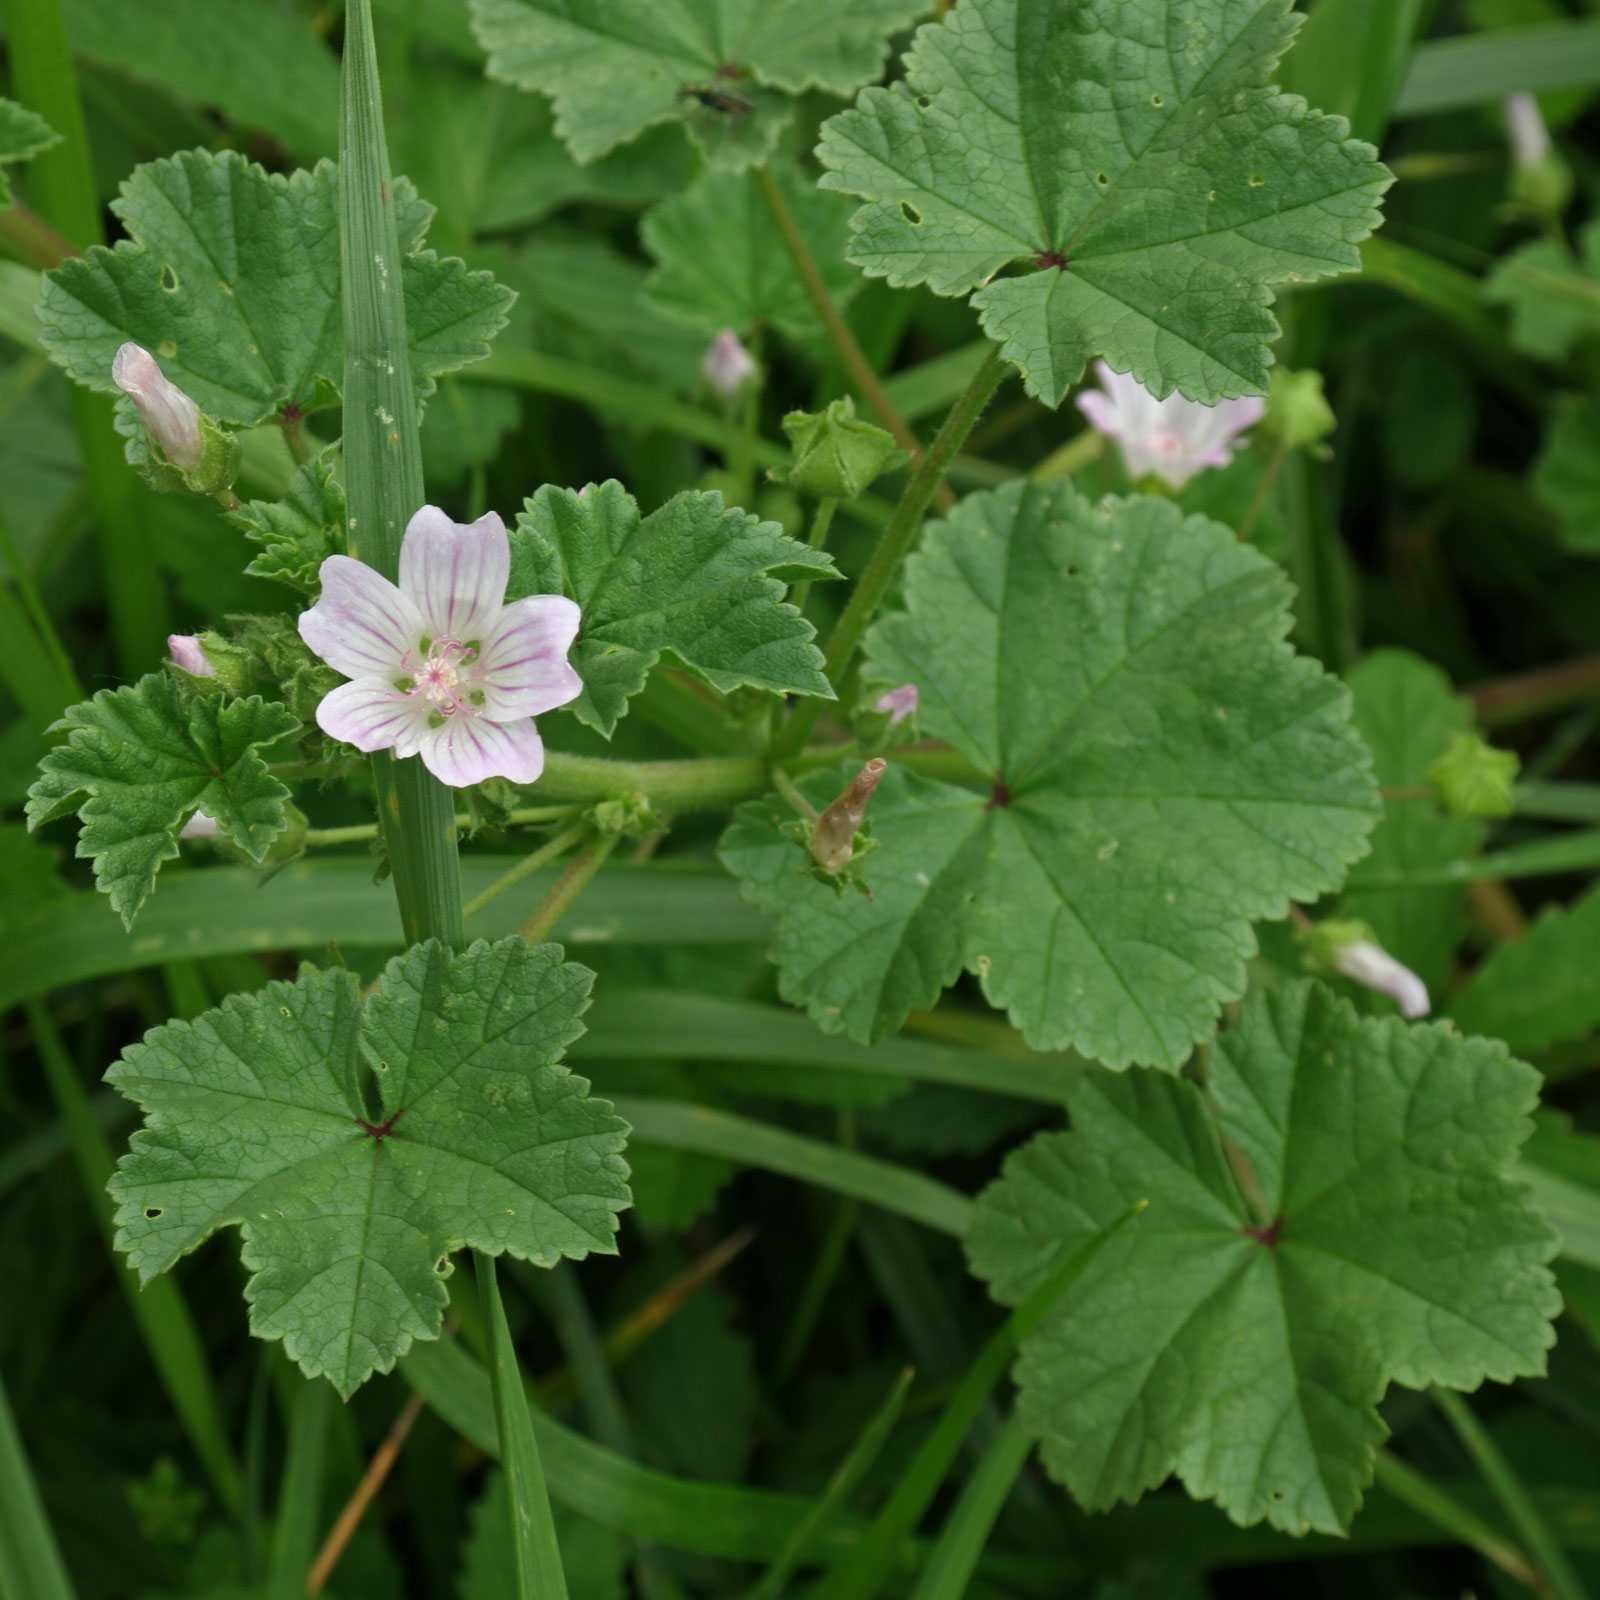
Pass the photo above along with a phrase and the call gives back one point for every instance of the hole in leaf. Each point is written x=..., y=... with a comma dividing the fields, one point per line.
x=1102, y=178
x=910, y=213
x=1158, y=99
x=151, y=1213
x=924, y=101
x=1255, y=180
x=169, y=279
x=167, y=348
x=444, y=1266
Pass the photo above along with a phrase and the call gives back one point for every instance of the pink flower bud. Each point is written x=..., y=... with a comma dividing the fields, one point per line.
x=184, y=648
x=727, y=366
x=898, y=704
x=1370, y=964
x=200, y=826
x=170, y=417
x=1530, y=138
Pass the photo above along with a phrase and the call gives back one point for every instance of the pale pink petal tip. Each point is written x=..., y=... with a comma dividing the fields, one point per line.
x=898, y=704
x=200, y=826
x=184, y=648
x=1171, y=439
x=1371, y=965
x=455, y=573
x=170, y=417
x=727, y=365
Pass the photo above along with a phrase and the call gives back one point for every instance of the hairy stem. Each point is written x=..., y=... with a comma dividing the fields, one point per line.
x=567, y=888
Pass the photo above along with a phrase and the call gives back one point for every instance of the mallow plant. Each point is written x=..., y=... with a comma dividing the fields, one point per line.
x=941, y=739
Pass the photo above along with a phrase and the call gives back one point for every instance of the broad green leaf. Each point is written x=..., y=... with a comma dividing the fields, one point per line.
x=299, y=532
x=695, y=578
x=1134, y=161
x=23, y=133
x=464, y=427
x=1247, y=1349
x=721, y=263
x=616, y=67
x=1408, y=713
x=262, y=1115
x=1161, y=772
x=1567, y=475
x=263, y=65
x=231, y=277
x=1541, y=989
x=1554, y=299
x=138, y=761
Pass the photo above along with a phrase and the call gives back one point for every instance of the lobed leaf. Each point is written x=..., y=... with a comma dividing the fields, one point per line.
x=695, y=578
x=1132, y=159
x=349, y=1202
x=23, y=134
x=296, y=534
x=1160, y=771
x=1247, y=1349
x=616, y=67
x=230, y=276
x=138, y=761
x=1566, y=477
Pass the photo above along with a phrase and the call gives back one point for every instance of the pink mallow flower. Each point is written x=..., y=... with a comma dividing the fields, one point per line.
x=1172, y=438
x=200, y=826
x=184, y=648
x=727, y=365
x=170, y=417
x=441, y=666
x=1372, y=966
x=897, y=704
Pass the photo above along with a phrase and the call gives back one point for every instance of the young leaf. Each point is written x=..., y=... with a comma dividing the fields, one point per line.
x=1567, y=477
x=720, y=263
x=1407, y=713
x=231, y=277
x=299, y=532
x=1161, y=770
x=1248, y=1352
x=137, y=762
x=1134, y=160
x=1554, y=299
x=616, y=67
x=23, y=133
x=695, y=578
x=257, y=1115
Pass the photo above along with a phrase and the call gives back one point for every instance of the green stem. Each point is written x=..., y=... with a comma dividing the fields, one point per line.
x=1559, y=1573
x=550, y=851
x=820, y=524
x=1533, y=694
x=28, y=238
x=742, y=458
x=845, y=344
x=62, y=185
x=293, y=427
x=383, y=467
x=895, y=544
x=364, y=832
x=954, y=1558
x=567, y=888
x=1411, y=1488
x=708, y=783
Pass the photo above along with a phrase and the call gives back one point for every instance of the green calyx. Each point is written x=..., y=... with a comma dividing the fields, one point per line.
x=1321, y=943
x=837, y=456
x=1473, y=779
x=1298, y=413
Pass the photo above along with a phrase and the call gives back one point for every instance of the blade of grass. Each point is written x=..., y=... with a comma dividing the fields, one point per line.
x=836, y=1493
x=159, y=1308
x=1570, y=852
x=1480, y=68
x=1558, y=1572
x=536, y=1554
x=1410, y=1487
x=1352, y=56
x=62, y=188
x=955, y=1557
x=864, y=1573
x=748, y=1143
x=299, y=1510
x=30, y=1560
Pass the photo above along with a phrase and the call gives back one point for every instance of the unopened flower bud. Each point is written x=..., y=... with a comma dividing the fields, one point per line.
x=1540, y=179
x=1350, y=949
x=898, y=704
x=185, y=650
x=833, y=838
x=170, y=417
x=1473, y=779
x=1298, y=413
x=727, y=366
x=836, y=455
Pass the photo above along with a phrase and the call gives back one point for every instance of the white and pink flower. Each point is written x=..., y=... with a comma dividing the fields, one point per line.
x=170, y=417
x=185, y=650
x=440, y=666
x=897, y=704
x=727, y=366
x=1173, y=439
x=1365, y=962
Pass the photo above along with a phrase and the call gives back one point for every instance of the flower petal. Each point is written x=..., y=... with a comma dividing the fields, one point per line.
x=523, y=670
x=362, y=626
x=455, y=572
x=467, y=749
x=370, y=714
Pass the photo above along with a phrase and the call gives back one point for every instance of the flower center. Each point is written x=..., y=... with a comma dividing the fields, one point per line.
x=446, y=679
